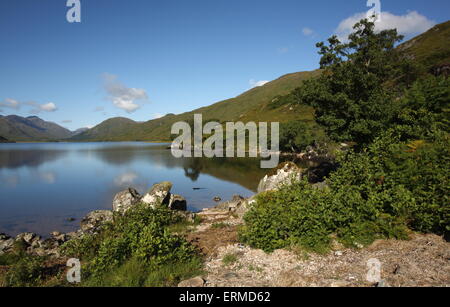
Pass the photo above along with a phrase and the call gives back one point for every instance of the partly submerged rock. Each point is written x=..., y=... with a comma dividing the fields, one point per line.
x=177, y=202
x=158, y=195
x=95, y=220
x=285, y=174
x=125, y=200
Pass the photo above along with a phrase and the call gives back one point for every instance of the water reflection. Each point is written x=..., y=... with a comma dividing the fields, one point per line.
x=42, y=185
x=12, y=159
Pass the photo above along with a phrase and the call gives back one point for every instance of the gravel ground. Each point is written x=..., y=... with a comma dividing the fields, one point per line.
x=422, y=261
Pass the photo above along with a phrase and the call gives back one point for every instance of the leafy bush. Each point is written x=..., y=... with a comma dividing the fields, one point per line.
x=295, y=136
x=378, y=193
x=142, y=235
x=27, y=272
x=293, y=215
x=425, y=109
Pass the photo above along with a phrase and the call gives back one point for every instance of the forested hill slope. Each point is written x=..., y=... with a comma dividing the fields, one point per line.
x=247, y=105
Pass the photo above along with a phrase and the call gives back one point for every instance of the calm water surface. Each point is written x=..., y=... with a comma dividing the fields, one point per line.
x=43, y=185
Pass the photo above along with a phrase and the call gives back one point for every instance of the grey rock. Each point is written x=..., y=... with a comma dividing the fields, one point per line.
x=188, y=216
x=125, y=200
x=177, y=202
x=4, y=237
x=95, y=220
x=245, y=206
x=6, y=245
x=196, y=282
x=28, y=237
x=55, y=233
x=232, y=204
x=158, y=195
x=286, y=174
x=62, y=238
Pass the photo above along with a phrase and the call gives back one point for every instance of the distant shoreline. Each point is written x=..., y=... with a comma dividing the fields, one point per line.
x=65, y=142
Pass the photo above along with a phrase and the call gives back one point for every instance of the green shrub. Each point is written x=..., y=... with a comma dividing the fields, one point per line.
x=27, y=272
x=378, y=193
x=293, y=215
x=139, y=241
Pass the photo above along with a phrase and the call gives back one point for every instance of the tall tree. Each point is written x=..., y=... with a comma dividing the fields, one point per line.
x=353, y=98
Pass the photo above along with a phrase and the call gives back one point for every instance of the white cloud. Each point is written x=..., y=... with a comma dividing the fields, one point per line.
x=125, y=179
x=48, y=177
x=157, y=115
x=409, y=24
x=10, y=103
x=307, y=31
x=253, y=83
x=121, y=96
x=36, y=107
x=48, y=107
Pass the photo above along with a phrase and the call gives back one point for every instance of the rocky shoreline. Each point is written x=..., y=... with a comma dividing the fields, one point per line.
x=422, y=261
x=157, y=195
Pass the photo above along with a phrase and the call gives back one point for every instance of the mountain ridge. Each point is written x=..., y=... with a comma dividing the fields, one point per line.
x=31, y=128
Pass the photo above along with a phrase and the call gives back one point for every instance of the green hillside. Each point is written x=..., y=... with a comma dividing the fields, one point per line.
x=432, y=47
x=113, y=129
x=249, y=106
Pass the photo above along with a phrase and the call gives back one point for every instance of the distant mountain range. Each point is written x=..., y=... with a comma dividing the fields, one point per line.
x=257, y=104
x=33, y=128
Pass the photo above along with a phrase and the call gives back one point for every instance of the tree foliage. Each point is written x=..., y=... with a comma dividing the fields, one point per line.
x=352, y=98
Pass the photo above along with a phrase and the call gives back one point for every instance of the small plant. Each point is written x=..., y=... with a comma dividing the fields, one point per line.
x=229, y=259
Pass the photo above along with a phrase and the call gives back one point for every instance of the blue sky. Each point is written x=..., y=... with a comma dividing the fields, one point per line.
x=142, y=59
